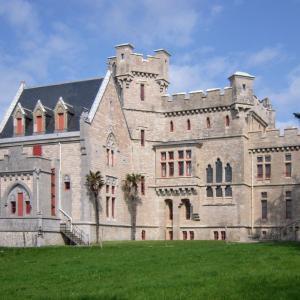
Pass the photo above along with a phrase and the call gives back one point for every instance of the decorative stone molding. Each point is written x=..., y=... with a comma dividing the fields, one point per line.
x=275, y=149
x=184, y=191
x=144, y=74
x=124, y=80
x=163, y=84
x=197, y=111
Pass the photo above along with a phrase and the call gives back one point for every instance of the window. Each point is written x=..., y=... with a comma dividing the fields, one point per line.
x=288, y=205
x=209, y=174
x=142, y=137
x=264, y=209
x=13, y=207
x=188, y=168
x=228, y=173
x=28, y=207
x=228, y=191
x=60, y=121
x=192, y=235
x=113, y=207
x=170, y=235
x=163, y=169
x=107, y=207
x=171, y=155
x=122, y=55
x=268, y=158
x=113, y=190
x=216, y=235
x=37, y=150
x=169, y=205
x=219, y=192
x=143, y=185
x=107, y=157
x=143, y=235
x=187, y=206
x=244, y=86
x=67, y=185
x=180, y=168
x=288, y=157
x=209, y=192
x=208, y=125
x=188, y=124
x=188, y=154
x=142, y=91
x=288, y=169
x=112, y=158
x=107, y=189
x=163, y=156
x=268, y=171
x=260, y=159
x=171, y=169
x=219, y=171
x=227, y=121
x=19, y=129
x=223, y=235
x=39, y=124
x=184, y=235
x=260, y=172
x=171, y=126
x=180, y=154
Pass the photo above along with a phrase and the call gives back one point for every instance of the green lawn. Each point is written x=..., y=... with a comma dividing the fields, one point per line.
x=153, y=270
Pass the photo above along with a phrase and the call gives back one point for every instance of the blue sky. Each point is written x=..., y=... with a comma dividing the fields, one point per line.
x=54, y=41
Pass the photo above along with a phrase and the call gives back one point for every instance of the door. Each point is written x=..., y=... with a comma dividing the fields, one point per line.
x=20, y=204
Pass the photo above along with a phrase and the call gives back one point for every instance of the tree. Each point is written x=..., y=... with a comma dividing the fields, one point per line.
x=130, y=189
x=94, y=184
x=297, y=115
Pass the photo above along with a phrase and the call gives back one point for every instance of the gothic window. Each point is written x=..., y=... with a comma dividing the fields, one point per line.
x=228, y=191
x=110, y=150
x=20, y=202
x=19, y=120
x=228, y=173
x=188, y=124
x=209, y=192
x=209, y=174
x=219, y=171
x=219, y=192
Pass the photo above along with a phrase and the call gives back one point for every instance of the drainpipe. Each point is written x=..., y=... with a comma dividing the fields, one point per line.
x=59, y=179
x=252, y=193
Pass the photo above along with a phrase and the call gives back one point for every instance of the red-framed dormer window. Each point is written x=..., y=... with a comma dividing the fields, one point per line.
x=19, y=127
x=39, y=124
x=60, y=121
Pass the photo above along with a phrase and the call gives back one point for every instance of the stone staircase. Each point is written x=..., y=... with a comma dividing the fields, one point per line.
x=74, y=234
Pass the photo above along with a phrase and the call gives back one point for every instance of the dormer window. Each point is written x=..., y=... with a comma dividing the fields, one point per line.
x=39, y=124
x=19, y=127
x=39, y=114
x=61, y=115
x=20, y=120
x=60, y=121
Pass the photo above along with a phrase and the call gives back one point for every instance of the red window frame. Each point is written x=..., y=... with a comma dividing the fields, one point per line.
x=37, y=150
x=39, y=124
x=19, y=129
x=60, y=121
x=20, y=204
x=28, y=207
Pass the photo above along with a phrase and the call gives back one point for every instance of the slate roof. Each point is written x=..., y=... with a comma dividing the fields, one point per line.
x=79, y=94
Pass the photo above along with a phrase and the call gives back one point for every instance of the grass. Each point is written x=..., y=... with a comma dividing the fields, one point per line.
x=153, y=270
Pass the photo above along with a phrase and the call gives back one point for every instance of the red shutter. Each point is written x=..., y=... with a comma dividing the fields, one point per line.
x=61, y=121
x=19, y=126
x=39, y=124
x=37, y=150
x=28, y=207
x=20, y=204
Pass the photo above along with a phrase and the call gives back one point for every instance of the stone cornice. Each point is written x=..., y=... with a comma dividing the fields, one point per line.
x=176, y=191
x=275, y=149
x=196, y=111
x=144, y=74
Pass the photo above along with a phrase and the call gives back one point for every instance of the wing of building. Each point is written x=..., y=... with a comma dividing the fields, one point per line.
x=212, y=163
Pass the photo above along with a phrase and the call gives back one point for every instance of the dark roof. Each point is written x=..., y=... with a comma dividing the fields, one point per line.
x=80, y=95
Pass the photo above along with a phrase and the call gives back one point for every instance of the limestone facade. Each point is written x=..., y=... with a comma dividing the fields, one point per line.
x=213, y=164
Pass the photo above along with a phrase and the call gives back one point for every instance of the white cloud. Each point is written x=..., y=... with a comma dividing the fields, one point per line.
x=264, y=56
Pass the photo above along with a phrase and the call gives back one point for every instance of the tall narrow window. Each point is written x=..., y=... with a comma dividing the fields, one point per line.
x=28, y=207
x=188, y=124
x=288, y=169
x=219, y=171
x=216, y=235
x=180, y=154
x=180, y=168
x=143, y=235
x=228, y=173
x=268, y=171
x=227, y=121
x=107, y=189
x=13, y=207
x=20, y=204
x=171, y=169
x=184, y=235
x=142, y=137
x=53, y=193
x=264, y=209
x=208, y=125
x=107, y=207
x=107, y=157
x=260, y=172
x=163, y=169
x=143, y=185
x=113, y=190
x=223, y=235
x=209, y=192
x=163, y=156
x=113, y=207
x=171, y=126
x=209, y=174
x=188, y=168
x=288, y=205
x=37, y=150
x=228, y=191
x=192, y=235
x=187, y=206
x=219, y=192
x=171, y=155
x=39, y=124
x=61, y=121
x=112, y=157
x=142, y=91
x=19, y=129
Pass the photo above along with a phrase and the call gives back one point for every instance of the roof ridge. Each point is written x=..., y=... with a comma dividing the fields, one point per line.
x=62, y=83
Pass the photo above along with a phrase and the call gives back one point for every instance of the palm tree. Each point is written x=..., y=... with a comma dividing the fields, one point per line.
x=297, y=115
x=94, y=184
x=130, y=189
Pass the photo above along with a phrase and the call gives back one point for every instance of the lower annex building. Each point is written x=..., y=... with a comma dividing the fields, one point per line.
x=213, y=164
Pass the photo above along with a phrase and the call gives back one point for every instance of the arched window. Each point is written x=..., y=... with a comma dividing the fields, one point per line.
x=219, y=192
x=171, y=126
x=20, y=202
x=188, y=123
x=209, y=174
x=209, y=192
x=208, y=125
x=219, y=171
x=228, y=191
x=110, y=150
x=227, y=121
x=228, y=173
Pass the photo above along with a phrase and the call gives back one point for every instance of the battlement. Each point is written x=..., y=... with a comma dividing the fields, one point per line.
x=198, y=99
x=273, y=138
x=126, y=62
